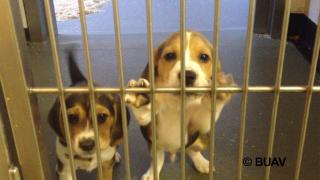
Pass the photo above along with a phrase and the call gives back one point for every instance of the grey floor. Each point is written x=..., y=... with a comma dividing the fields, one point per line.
x=232, y=50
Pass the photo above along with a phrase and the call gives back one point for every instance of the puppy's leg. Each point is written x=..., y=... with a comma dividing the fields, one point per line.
x=160, y=160
x=200, y=162
x=139, y=102
x=64, y=171
x=194, y=152
x=107, y=168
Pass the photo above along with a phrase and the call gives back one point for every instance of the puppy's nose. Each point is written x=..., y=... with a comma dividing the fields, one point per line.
x=191, y=77
x=87, y=144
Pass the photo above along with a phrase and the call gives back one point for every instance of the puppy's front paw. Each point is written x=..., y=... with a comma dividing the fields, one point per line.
x=117, y=157
x=147, y=176
x=202, y=165
x=138, y=99
x=172, y=157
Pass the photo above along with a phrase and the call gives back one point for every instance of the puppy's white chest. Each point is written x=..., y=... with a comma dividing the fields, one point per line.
x=87, y=163
x=169, y=129
x=90, y=165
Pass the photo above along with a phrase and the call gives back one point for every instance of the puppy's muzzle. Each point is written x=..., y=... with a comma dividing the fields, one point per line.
x=190, y=79
x=87, y=144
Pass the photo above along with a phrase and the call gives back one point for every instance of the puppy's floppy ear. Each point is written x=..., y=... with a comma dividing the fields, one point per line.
x=225, y=80
x=156, y=56
x=54, y=118
x=117, y=132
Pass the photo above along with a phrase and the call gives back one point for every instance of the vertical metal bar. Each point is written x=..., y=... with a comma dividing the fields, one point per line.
x=4, y=153
x=183, y=86
x=313, y=70
x=14, y=173
x=58, y=76
x=215, y=54
x=122, y=87
x=17, y=100
x=152, y=87
x=285, y=24
x=90, y=84
x=246, y=75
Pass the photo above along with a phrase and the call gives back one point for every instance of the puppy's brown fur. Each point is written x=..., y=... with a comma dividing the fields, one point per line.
x=108, y=109
x=198, y=61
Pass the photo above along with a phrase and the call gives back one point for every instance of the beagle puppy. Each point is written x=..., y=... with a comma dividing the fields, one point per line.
x=198, y=73
x=83, y=143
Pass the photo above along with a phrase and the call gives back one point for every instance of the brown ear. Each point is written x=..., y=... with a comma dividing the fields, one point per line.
x=117, y=132
x=54, y=118
x=156, y=56
x=225, y=80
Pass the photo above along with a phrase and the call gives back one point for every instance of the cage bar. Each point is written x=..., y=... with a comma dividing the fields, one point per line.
x=246, y=75
x=183, y=86
x=58, y=77
x=4, y=150
x=214, y=89
x=283, y=42
x=85, y=41
x=312, y=75
x=122, y=87
x=152, y=87
x=215, y=59
x=232, y=89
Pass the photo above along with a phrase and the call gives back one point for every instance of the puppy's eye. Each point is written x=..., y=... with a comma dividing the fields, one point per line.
x=170, y=56
x=102, y=117
x=73, y=118
x=204, y=57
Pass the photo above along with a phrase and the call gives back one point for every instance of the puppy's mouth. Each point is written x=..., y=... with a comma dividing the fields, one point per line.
x=82, y=157
x=87, y=153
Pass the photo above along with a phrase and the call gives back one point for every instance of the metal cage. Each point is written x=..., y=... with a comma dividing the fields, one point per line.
x=18, y=91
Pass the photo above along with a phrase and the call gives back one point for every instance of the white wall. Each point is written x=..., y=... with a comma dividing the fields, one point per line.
x=314, y=10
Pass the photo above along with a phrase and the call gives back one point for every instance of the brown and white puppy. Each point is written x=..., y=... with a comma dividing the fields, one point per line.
x=108, y=111
x=198, y=65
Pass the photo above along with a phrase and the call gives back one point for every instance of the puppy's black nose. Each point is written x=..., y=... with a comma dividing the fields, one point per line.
x=87, y=144
x=191, y=77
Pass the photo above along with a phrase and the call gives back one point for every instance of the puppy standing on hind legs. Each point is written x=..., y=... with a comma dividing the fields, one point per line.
x=198, y=73
x=108, y=109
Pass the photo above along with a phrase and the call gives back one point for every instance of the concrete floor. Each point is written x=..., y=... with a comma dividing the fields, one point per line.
x=264, y=58
x=232, y=49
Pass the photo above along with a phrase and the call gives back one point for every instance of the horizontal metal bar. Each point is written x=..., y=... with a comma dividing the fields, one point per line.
x=233, y=89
